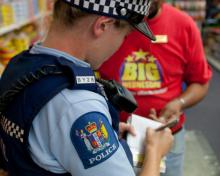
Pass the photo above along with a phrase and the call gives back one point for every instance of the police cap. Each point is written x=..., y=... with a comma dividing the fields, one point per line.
x=131, y=10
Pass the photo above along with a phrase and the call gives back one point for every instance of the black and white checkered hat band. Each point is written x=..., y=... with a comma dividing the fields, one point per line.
x=108, y=7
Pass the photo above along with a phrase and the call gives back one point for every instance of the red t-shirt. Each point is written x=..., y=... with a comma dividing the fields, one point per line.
x=155, y=72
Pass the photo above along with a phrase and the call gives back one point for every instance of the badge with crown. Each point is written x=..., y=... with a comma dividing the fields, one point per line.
x=95, y=136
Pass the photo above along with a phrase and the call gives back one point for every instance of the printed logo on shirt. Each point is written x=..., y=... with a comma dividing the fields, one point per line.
x=93, y=138
x=142, y=72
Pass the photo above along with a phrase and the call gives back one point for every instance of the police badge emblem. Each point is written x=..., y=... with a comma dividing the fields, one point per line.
x=93, y=138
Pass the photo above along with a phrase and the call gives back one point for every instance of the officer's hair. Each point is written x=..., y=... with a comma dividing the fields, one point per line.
x=68, y=15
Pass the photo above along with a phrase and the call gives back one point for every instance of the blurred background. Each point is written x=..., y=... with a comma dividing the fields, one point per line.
x=23, y=22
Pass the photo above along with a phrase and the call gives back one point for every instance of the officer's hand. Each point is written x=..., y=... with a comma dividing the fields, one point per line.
x=158, y=142
x=124, y=128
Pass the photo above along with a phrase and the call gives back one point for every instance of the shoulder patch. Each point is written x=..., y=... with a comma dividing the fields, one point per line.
x=93, y=138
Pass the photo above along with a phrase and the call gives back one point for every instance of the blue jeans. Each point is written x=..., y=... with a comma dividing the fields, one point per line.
x=175, y=158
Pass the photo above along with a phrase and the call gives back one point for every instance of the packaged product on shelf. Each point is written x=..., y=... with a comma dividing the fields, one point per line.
x=32, y=31
x=7, y=14
x=42, y=5
x=34, y=7
x=21, y=42
x=16, y=42
x=1, y=20
x=7, y=50
x=21, y=10
x=21, y=29
x=2, y=67
x=211, y=33
x=195, y=8
x=18, y=11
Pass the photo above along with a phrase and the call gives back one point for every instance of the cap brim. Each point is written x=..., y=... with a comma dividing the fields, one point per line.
x=144, y=29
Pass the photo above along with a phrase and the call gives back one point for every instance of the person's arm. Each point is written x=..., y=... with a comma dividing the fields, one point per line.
x=158, y=144
x=193, y=94
x=65, y=145
x=84, y=142
x=196, y=73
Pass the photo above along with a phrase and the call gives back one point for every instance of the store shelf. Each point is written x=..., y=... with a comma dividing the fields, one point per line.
x=214, y=62
x=7, y=29
x=215, y=30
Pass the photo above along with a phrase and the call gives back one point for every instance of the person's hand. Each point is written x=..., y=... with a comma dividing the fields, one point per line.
x=172, y=110
x=153, y=115
x=124, y=128
x=158, y=142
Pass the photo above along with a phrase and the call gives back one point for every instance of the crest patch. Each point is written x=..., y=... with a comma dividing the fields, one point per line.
x=93, y=138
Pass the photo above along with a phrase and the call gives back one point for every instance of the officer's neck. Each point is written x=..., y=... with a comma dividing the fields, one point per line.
x=66, y=41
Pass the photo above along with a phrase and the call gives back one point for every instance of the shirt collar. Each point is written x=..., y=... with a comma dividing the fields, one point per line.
x=39, y=49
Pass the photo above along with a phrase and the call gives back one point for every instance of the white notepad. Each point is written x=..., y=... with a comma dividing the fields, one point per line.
x=136, y=143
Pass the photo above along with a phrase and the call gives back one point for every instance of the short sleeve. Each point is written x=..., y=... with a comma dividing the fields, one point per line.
x=84, y=142
x=197, y=69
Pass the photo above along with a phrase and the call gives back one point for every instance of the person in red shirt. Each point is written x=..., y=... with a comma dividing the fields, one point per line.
x=155, y=71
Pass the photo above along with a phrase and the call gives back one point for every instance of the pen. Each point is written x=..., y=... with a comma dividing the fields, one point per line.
x=168, y=125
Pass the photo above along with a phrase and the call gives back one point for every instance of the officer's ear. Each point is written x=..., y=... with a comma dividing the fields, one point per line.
x=102, y=24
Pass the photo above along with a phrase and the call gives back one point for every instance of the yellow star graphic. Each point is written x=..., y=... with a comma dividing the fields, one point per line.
x=140, y=55
x=129, y=58
x=151, y=59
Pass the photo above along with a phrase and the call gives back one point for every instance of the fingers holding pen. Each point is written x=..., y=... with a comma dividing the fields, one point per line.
x=160, y=141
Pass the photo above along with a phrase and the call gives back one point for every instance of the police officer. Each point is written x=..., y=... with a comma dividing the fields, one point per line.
x=54, y=118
